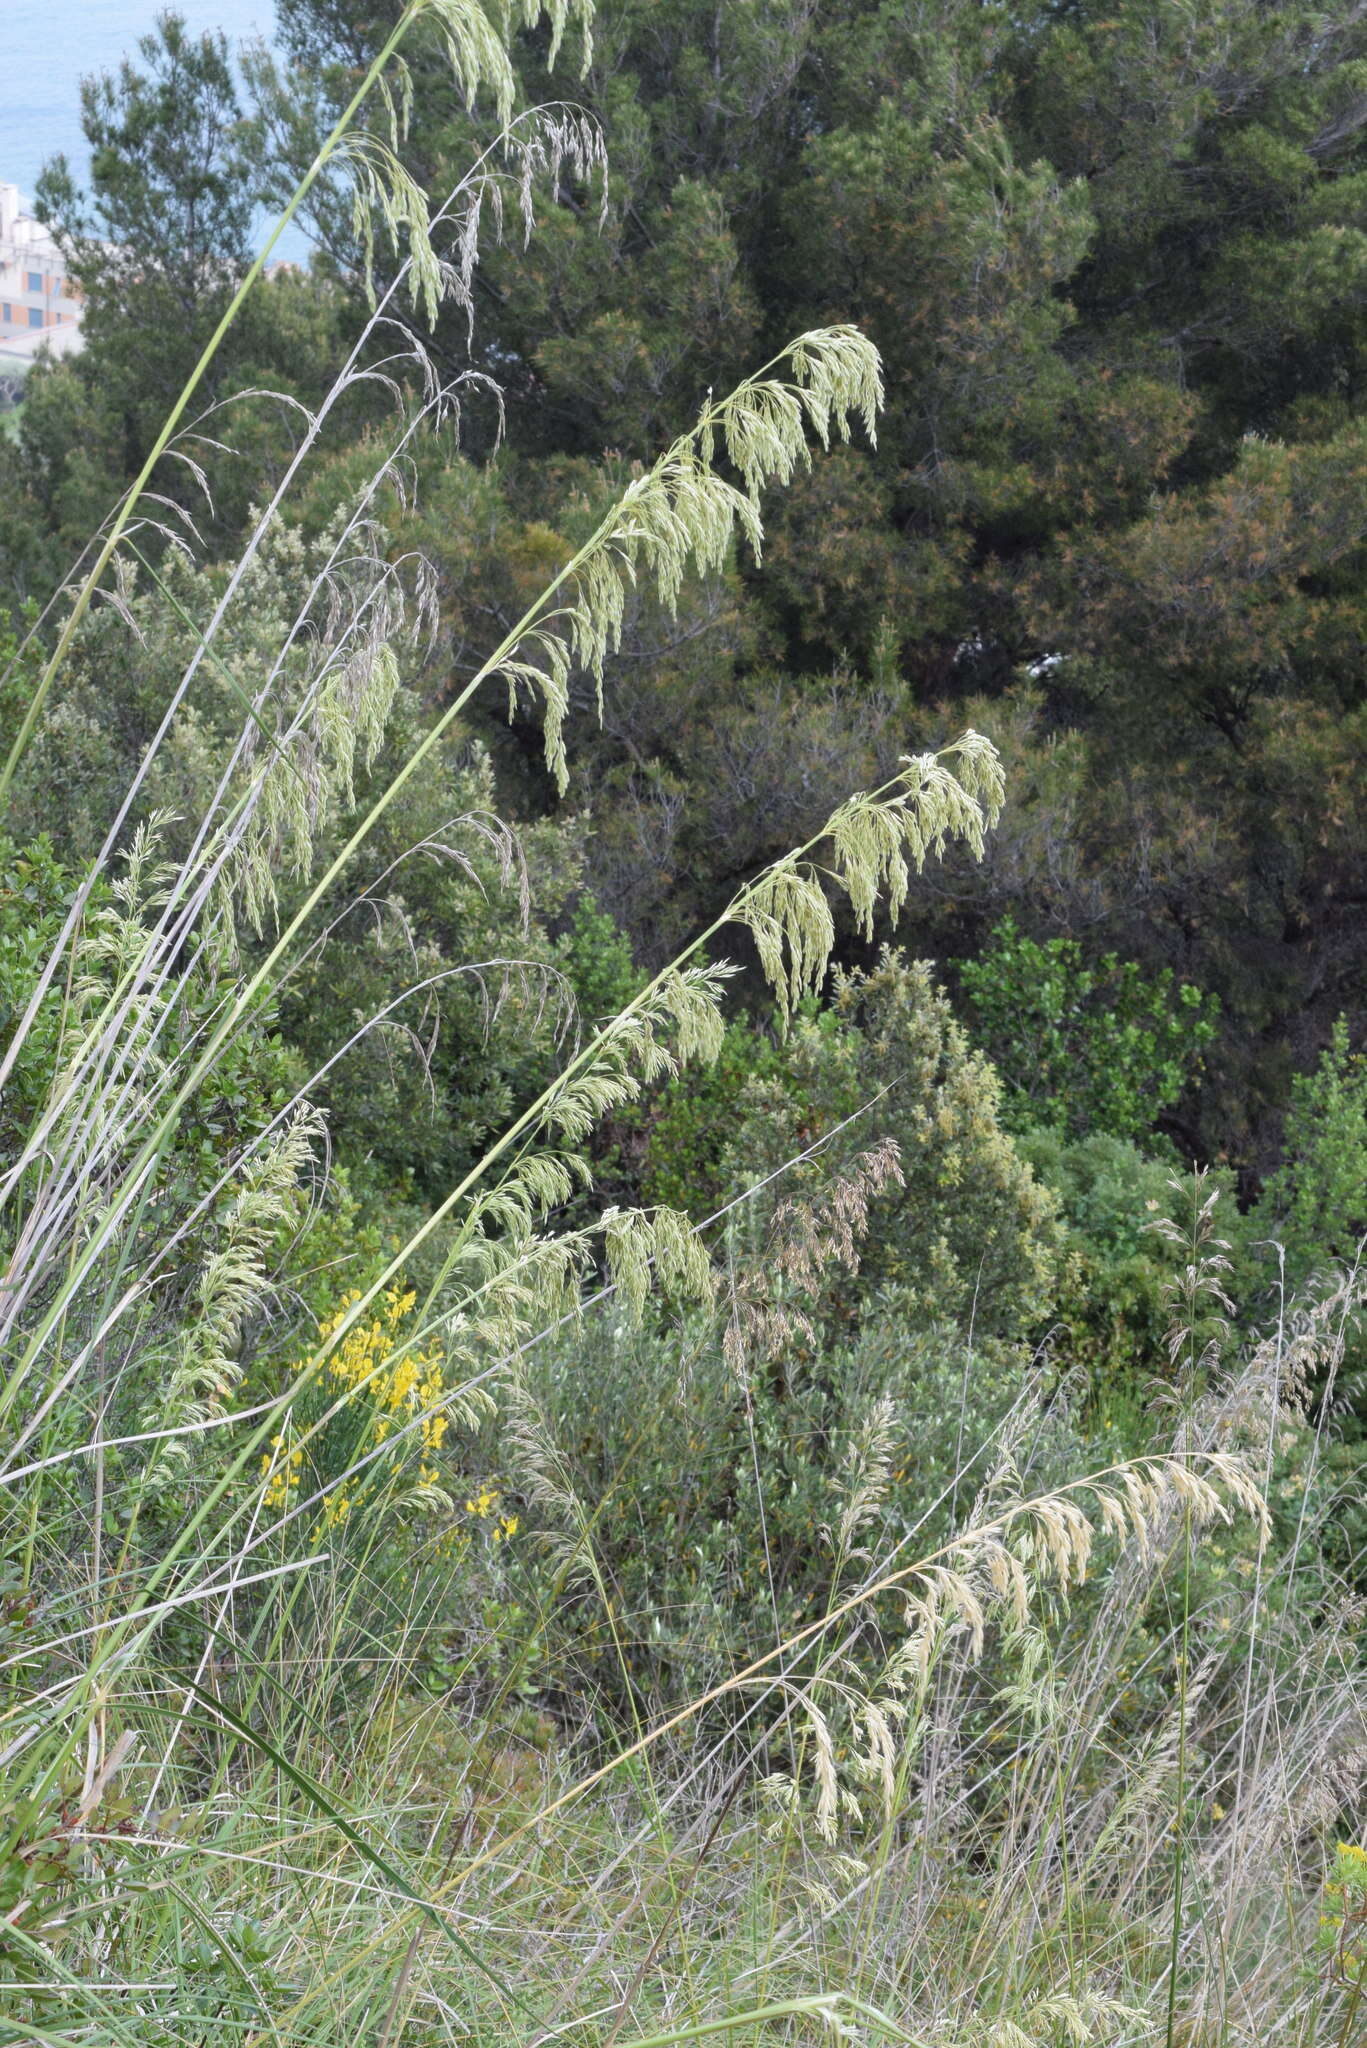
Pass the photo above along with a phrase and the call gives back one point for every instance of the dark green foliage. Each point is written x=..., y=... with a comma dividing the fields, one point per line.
x=1110, y=259
x=970, y=1233
x=1084, y=1046
x=1114, y=514
x=35, y=894
x=1110, y=1313
x=1312, y=1221
x=692, y=1127
x=157, y=248
x=596, y=958
x=461, y=1002
x=162, y=241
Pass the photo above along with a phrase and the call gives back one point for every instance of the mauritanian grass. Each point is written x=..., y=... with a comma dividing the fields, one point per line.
x=1042, y=1778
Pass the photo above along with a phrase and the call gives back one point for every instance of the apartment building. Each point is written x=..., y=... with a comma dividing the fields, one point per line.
x=37, y=304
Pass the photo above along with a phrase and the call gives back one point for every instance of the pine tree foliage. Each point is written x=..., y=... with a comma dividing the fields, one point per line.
x=685, y=513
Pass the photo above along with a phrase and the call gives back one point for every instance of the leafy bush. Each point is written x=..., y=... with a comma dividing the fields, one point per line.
x=596, y=957
x=1314, y=1207
x=445, y=976
x=970, y=1236
x=1110, y=1311
x=1315, y=1204
x=36, y=891
x=711, y=1509
x=1088, y=1046
x=691, y=1125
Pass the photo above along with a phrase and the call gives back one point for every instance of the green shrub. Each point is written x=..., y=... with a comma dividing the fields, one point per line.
x=971, y=1235
x=35, y=894
x=715, y=1509
x=595, y=954
x=1315, y=1204
x=462, y=921
x=1315, y=1208
x=1109, y=1315
x=1088, y=1046
x=692, y=1124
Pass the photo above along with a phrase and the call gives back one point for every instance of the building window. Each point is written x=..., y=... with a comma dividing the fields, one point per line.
x=5, y=313
x=35, y=316
x=35, y=281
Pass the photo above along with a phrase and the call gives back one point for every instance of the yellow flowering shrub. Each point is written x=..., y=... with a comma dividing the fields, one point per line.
x=387, y=1383
x=280, y=1468
x=486, y=1505
x=399, y=1383
x=377, y=1388
x=1343, y=1923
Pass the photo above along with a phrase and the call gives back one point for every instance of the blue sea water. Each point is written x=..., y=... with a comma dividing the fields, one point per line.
x=48, y=46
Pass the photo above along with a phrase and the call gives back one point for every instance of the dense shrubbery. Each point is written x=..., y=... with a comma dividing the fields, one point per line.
x=1115, y=502
x=35, y=893
x=1100, y=1047
x=1316, y=1203
x=719, y=1508
x=969, y=1235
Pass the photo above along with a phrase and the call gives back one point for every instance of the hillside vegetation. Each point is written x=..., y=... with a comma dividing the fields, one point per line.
x=683, y=1143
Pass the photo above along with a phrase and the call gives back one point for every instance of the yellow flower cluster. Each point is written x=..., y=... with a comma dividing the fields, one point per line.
x=397, y=1383
x=401, y=1383
x=280, y=1469
x=487, y=1506
x=1343, y=1928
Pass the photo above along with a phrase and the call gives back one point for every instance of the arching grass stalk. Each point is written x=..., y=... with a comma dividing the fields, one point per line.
x=683, y=510
x=837, y=2009
x=1180, y=1816
x=1127, y=1498
x=569, y=137
x=196, y=377
x=469, y=36
x=680, y=508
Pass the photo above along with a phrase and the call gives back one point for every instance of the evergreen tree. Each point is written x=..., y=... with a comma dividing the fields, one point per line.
x=1114, y=262
x=163, y=238
x=157, y=247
